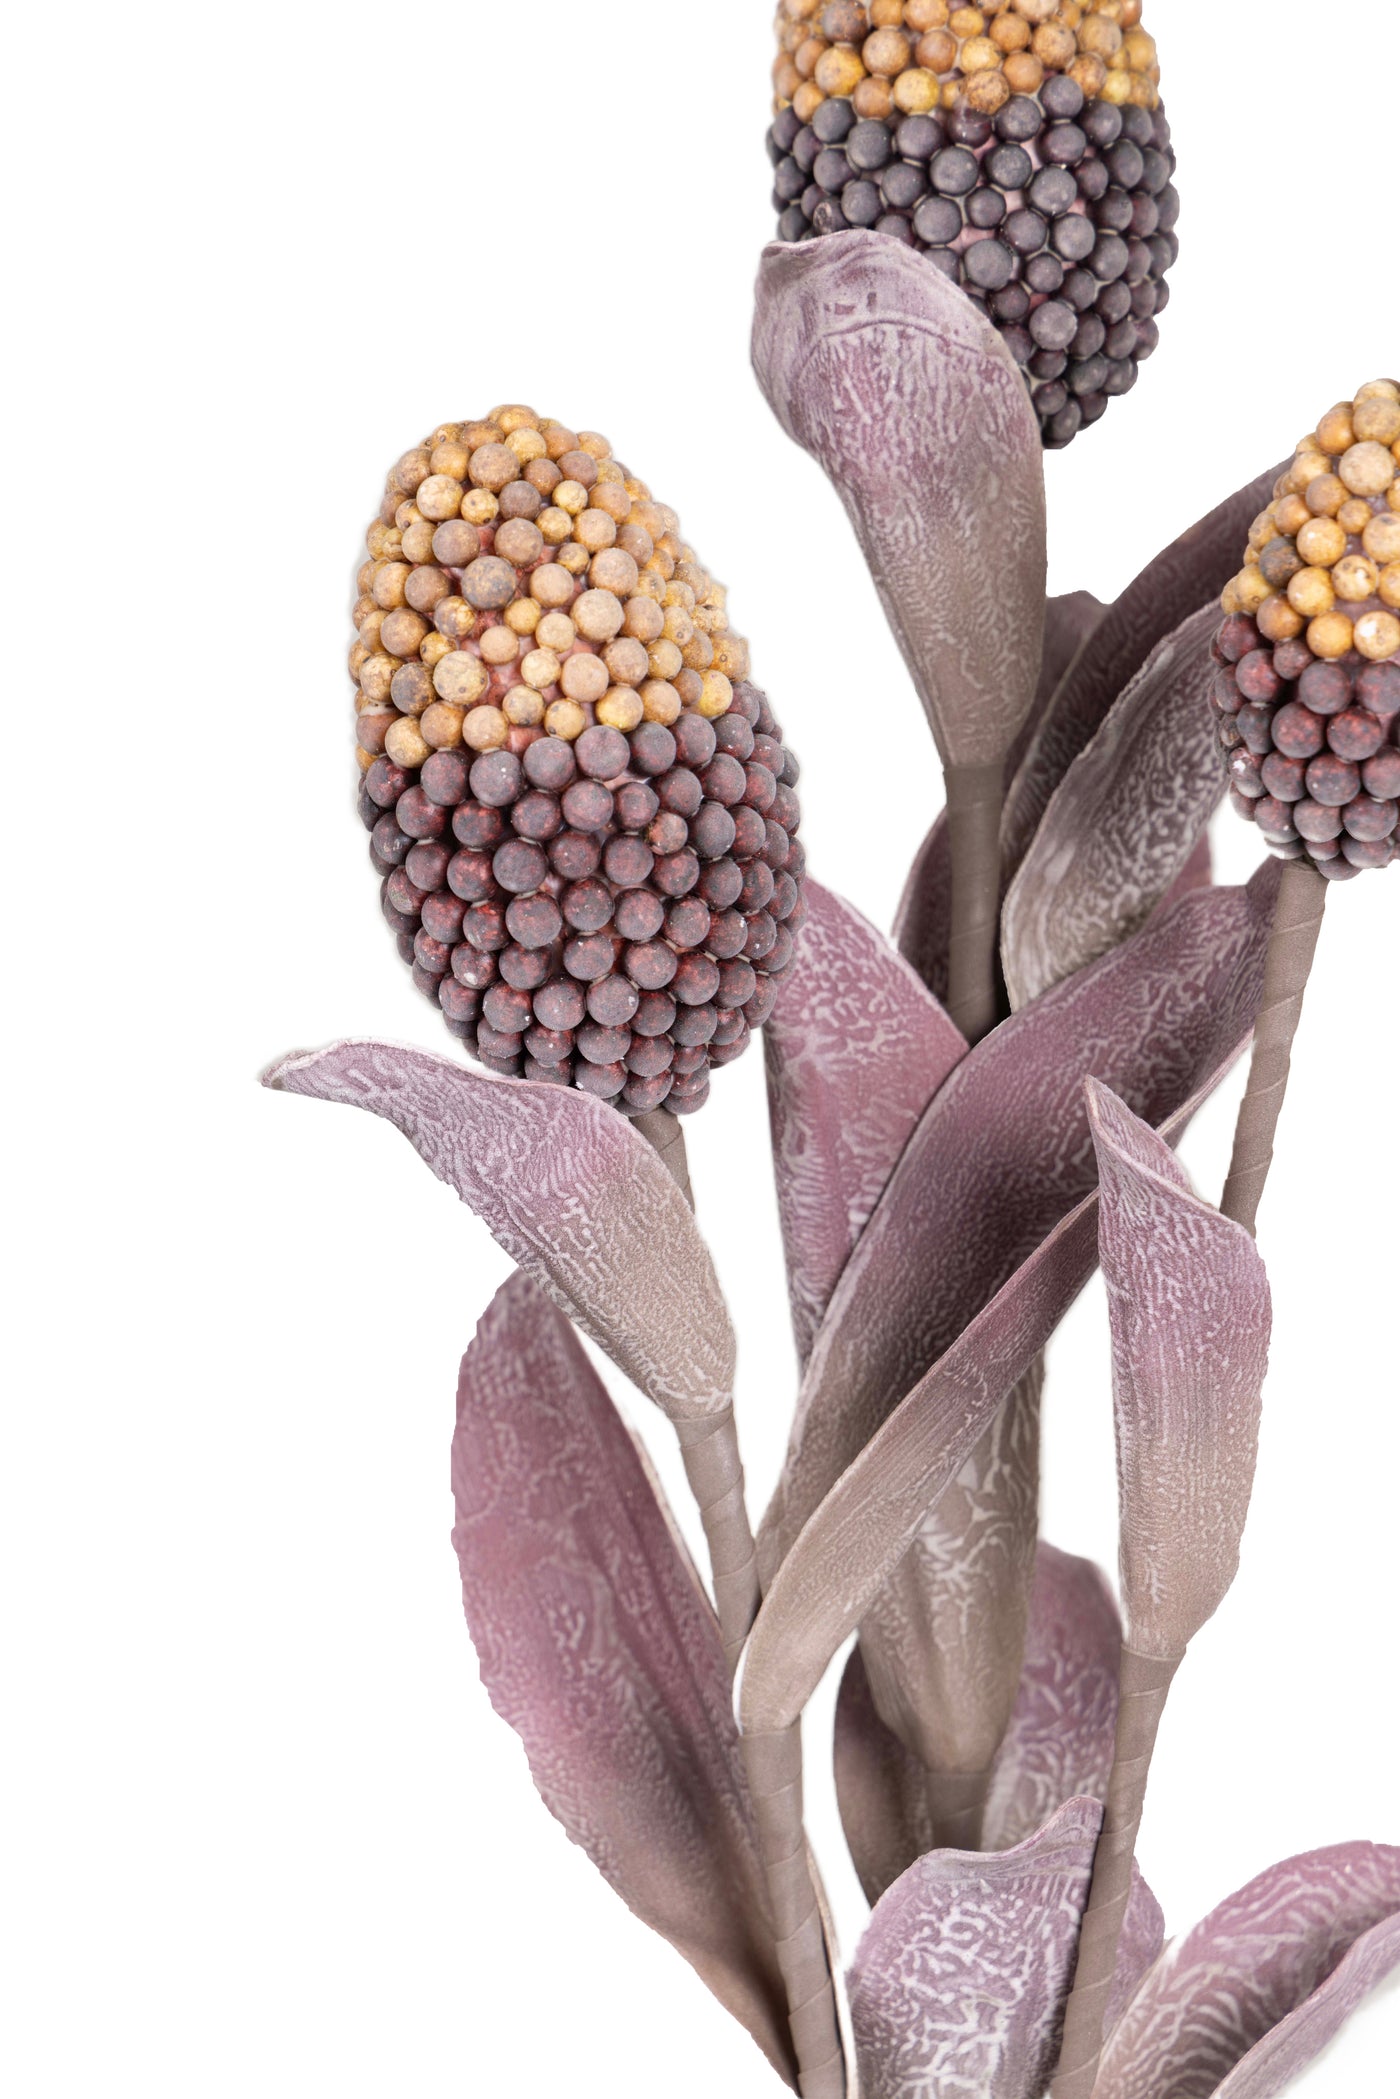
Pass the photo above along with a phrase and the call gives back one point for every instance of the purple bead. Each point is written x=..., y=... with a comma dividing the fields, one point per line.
x=534, y=921
x=537, y=816
x=587, y=905
x=477, y=827
x=560, y=1005
x=589, y=957
x=549, y=763
x=587, y=806
x=638, y=914
x=574, y=854
x=653, y=748
x=650, y=964
x=656, y=1012
x=628, y=861
x=676, y=873
x=612, y=1001
x=444, y=778
x=635, y=804
x=601, y=753
x=495, y=778
x=442, y=918
x=695, y=741
x=688, y=922
x=519, y=866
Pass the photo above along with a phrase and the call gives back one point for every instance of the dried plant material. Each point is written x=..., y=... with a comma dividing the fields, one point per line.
x=1002, y=1156
x=908, y=400
x=598, y=1648
x=1058, y=1746
x=1121, y=826
x=958, y=1983
x=1248, y=1999
x=849, y=1005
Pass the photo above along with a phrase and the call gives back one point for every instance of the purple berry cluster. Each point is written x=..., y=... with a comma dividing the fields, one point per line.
x=1314, y=748
x=1056, y=216
x=611, y=913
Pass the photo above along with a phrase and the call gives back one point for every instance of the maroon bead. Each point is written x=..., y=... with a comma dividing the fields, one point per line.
x=784, y=899
x=653, y=748
x=656, y=1011
x=1274, y=818
x=635, y=804
x=760, y=937
x=1298, y=732
x=601, y=752
x=498, y=1052
x=1380, y=775
x=587, y=806
x=676, y=874
x=575, y=855
x=519, y=866
x=478, y=828
x=649, y=1056
x=688, y=922
x=605, y=1081
x=736, y=983
x=418, y=816
x=694, y=1026
x=786, y=810
x=404, y=943
x=757, y=889
x=1325, y=687
x=1368, y=818
x=473, y=969
x=560, y=1005
x=1378, y=688
x=548, y=1074
x=602, y=1045
x=457, y=1001
x=695, y=740
x=390, y=845
x=1340, y=870
x=728, y=931
x=426, y=865
x=1282, y=777
x=680, y=792
x=1315, y=822
x=444, y=778
x=1256, y=677
x=753, y=836
x=726, y=1052
x=1228, y=735
x=730, y=1026
x=689, y=1059
x=734, y=735
x=760, y=787
x=589, y=957
x=550, y=764
x=696, y=979
x=723, y=780
x=507, y=1010
x=403, y=896
x=534, y=921
x=638, y=914
x=537, y=816
x=628, y=861
x=768, y=750
x=442, y=917
x=469, y=876
x=549, y=1045
x=1368, y=852
x=780, y=954
x=712, y=831
x=425, y=980
x=650, y=964
x=1356, y=734
x=1255, y=724
x=1320, y=849
x=1240, y=803
x=526, y=968
x=485, y=927
x=720, y=884
x=587, y=905
x=495, y=778
x=643, y=1095
x=1332, y=780
x=612, y=1002
x=385, y=782
x=434, y=955
x=688, y=1100
x=1291, y=659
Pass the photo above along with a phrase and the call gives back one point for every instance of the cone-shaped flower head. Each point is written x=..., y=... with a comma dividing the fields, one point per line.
x=1308, y=689
x=582, y=812
x=1022, y=146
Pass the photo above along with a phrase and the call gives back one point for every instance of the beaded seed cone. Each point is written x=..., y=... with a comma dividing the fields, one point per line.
x=1308, y=684
x=582, y=812
x=1023, y=147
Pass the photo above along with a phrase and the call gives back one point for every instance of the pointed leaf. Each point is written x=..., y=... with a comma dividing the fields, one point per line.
x=1059, y=1745
x=1123, y=822
x=571, y=1191
x=1004, y=1153
x=910, y=402
x=1247, y=2000
x=598, y=1648
x=848, y=1009
x=1184, y=577
x=959, y=1983
x=1189, y=1311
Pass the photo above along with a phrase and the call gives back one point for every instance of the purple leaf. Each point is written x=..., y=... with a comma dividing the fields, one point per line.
x=924, y=918
x=1248, y=1999
x=958, y=1985
x=598, y=1647
x=1122, y=823
x=1059, y=1745
x=1004, y=1153
x=1189, y=1311
x=1186, y=576
x=849, y=1006
x=571, y=1191
x=910, y=402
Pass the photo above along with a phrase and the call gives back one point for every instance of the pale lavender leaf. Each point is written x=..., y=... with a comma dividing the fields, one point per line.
x=571, y=1191
x=849, y=1006
x=1244, y=2003
x=598, y=1647
x=1123, y=822
x=1004, y=1153
x=910, y=402
x=1058, y=1746
x=1189, y=1312
x=924, y=918
x=958, y=1986
x=1184, y=577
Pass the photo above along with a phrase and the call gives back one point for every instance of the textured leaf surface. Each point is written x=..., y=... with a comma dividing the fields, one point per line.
x=910, y=402
x=856, y=1049
x=923, y=922
x=1189, y=1312
x=1059, y=1745
x=1245, y=2002
x=597, y=1646
x=958, y=1986
x=1004, y=1153
x=1123, y=822
x=571, y=1191
x=1184, y=577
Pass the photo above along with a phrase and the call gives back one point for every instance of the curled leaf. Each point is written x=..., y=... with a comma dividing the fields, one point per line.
x=958, y=1985
x=597, y=1646
x=1247, y=2000
x=910, y=402
x=1189, y=1311
x=1123, y=822
x=848, y=1008
x=571, y=1191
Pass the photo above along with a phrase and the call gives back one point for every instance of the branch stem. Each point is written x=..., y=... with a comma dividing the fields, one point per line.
x=975, y=796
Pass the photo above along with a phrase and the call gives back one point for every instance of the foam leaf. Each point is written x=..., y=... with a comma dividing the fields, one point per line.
x=598, y=1647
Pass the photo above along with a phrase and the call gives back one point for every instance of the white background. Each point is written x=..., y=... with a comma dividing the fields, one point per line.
x=265, y=1833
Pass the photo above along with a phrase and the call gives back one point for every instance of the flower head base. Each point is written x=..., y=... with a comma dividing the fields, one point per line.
x=1308, y=689
x=582, y=812
x=1029, y=157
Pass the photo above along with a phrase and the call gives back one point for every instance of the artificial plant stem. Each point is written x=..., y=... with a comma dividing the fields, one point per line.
x=975, y=794
x=774, y=1765
x=667, y=1134
x=957, y=1803
x=1302, y=898
x=1143, y=1684
x=710, y=1449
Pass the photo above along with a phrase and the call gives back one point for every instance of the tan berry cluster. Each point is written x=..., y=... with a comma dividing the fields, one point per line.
x=519, y=577
x=913, y=57
x=1324, y=558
